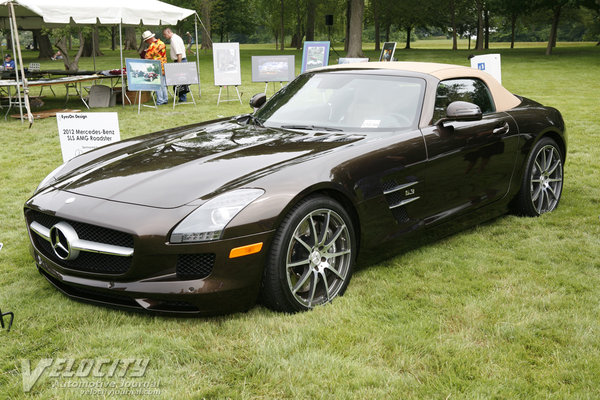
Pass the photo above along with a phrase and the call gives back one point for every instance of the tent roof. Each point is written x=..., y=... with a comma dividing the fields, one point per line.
x=33, y=14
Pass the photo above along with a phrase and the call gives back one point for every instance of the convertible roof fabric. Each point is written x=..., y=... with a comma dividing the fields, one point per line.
x=503, y=99
x=32, y=14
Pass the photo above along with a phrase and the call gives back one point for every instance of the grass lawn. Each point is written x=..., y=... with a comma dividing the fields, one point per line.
x=509, y=309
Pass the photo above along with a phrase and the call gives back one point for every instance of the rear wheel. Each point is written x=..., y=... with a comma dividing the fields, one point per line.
x=311, y=258
x=542, y=184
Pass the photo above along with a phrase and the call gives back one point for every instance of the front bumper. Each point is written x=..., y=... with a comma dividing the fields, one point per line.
x=151, y=280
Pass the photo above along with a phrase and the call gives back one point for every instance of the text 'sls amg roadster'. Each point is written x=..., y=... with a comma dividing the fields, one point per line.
x=279, y=204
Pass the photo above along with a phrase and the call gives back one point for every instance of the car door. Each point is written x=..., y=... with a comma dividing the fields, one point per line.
x=470, y=163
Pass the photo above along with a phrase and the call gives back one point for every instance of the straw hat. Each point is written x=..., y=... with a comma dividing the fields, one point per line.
x=147, y=35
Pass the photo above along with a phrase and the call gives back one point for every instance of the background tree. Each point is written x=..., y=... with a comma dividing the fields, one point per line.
x=355, y=28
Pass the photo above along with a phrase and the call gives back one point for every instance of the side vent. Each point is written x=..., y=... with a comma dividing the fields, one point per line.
x=398, y=196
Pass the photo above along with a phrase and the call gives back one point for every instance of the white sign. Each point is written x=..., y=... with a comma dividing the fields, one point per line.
x=226, y=60
x=346, y=60
x=81, y=132
x=489, y=63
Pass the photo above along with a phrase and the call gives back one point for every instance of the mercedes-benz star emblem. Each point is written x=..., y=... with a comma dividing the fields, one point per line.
x=62, y=237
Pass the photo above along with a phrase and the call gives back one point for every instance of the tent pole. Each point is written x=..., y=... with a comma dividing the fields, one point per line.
x=17, y=46
x=197, y=56
x=123, y=95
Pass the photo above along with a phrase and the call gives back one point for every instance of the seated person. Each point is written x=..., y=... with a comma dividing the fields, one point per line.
x=57, y=56
x=9, y=63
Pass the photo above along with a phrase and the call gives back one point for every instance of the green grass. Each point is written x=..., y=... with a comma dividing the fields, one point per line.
x=508, y=309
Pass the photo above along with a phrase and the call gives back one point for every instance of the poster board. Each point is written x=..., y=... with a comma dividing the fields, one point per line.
x=226, y=62
x=350, y=60
x=81, y=132
x=183, y=73
x=315, y=55
x=273, y=68
x=387, y=52
x=490, y=63
x=143, y=75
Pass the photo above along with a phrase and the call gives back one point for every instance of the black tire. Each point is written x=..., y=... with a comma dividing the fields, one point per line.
x=542, y=183
x=306, y=268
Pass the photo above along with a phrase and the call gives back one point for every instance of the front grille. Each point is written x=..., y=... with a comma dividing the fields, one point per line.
x=85, y=231
x=195, y=266
x=86, y=261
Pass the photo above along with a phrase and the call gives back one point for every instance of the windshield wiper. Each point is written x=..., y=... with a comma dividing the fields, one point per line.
x=312, y=128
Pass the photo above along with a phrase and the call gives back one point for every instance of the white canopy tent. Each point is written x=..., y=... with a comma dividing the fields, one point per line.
x=33, y=14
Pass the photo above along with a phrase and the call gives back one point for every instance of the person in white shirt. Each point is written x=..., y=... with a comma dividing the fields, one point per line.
x=177, y=55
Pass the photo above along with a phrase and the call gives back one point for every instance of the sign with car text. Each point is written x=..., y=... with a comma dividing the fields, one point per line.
x=81, y=132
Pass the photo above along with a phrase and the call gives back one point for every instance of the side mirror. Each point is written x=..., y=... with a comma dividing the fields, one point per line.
x=461, y=111
x=258, y=100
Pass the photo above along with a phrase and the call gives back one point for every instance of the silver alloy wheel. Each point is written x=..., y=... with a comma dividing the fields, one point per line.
x=318, y=257
x=546, y=179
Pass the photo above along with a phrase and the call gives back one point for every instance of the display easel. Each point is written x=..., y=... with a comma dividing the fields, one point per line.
x=274, y=87
x=140, y=101
x=175, y=97
x=228, y=99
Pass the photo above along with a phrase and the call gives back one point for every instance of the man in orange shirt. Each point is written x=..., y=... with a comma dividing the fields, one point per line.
x=157, y=51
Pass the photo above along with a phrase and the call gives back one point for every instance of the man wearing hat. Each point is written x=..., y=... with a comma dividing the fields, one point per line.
x=9, y=63
x=157, y=51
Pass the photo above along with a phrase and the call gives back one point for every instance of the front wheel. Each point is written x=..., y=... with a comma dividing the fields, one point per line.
x=311, y=257
x=543, y=180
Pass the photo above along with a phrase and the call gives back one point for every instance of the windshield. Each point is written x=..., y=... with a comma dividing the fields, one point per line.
x=345, y=101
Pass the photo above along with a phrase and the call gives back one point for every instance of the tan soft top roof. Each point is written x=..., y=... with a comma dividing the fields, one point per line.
x=503, y=99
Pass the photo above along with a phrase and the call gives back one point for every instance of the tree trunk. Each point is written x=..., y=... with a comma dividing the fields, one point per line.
x=408, y=30
x=513, y=24
x=8, y=41
x=387, y=32
x=91, y=44
x=486, y=18
x=205, y=12
x=453, y=17
x=44, y=45
x=35, y=39
x=347, y=38
x=479, y=43
x=130, y=39
x=356, y=28
x=377, y=26
x=282, y=26
x=70, y=65
x=310, y=20
x=113, y=37
x=553, y=30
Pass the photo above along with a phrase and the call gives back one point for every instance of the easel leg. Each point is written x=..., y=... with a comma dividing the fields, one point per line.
x=139, y=96
x=266, y=87
x=219, y=99
x=238, y=94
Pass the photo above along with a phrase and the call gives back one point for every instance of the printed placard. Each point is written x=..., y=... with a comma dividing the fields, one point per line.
x=489, y=63
x=315, y=55
x=226, y=61
x=81, y=132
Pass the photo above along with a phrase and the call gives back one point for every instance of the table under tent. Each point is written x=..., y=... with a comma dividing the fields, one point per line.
x=35, y=14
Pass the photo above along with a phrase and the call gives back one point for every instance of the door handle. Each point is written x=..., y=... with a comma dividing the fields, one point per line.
x=501, y=130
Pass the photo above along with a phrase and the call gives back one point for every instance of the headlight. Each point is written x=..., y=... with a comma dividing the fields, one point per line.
x=208, y=221
x=49, y=179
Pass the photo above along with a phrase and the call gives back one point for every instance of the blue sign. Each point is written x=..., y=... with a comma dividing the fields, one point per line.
x=481, y=66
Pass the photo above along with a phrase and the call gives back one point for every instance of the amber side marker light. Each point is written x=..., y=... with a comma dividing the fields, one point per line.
x=245, y=250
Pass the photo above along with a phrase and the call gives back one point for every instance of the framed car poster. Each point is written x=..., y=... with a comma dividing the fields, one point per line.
x=387, y=53
x=143, y=75
x=226, y=61
x=273, y=68
x=315, y=55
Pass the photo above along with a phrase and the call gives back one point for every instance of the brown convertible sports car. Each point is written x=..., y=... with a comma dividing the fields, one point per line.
x=280, y=204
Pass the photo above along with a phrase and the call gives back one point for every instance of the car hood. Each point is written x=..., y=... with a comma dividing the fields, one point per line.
x=176, y=168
